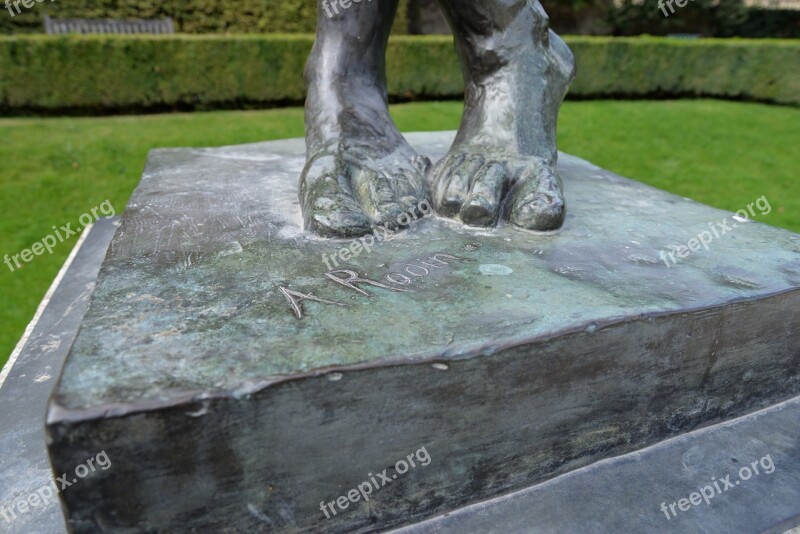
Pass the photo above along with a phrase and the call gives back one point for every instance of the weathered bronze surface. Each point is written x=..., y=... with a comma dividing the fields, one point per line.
x=237, y=377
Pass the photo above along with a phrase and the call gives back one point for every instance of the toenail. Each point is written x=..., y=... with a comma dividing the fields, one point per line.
x=540, y=200
x=324, y=203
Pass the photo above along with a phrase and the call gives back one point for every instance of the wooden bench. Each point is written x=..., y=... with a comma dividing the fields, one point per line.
x=108, y=26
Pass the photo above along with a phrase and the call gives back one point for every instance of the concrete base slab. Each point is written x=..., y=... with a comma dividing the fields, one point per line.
x=742, y=476
x=27, y=380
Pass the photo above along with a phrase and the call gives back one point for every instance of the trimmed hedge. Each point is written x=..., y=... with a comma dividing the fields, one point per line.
x=101, y=74
x=189, y=16
x=757, y=69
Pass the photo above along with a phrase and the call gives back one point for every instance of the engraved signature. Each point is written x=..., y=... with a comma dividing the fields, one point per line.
x=392, y=281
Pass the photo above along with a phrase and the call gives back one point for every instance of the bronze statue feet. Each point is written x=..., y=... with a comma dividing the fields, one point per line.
x=361, y=172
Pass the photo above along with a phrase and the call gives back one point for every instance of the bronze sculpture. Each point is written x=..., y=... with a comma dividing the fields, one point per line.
x=361, y=172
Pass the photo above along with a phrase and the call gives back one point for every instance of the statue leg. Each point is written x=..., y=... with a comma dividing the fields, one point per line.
x=516, y=74
x=359, y=170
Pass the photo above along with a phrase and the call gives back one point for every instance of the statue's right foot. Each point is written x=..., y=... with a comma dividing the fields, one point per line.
x=360, y=172
x=348, y=189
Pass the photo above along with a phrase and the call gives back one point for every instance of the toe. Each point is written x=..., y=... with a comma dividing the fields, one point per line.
x=482, y=206
x=410, y=187
x=378, y=196
x=540, y=211
x=538, y=202
x=441, y=173
x=458, y=186
x=330, y=211
x=413, y=191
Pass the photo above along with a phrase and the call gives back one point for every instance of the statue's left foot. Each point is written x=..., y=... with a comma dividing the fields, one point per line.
x=504, y=157
x=474, y=184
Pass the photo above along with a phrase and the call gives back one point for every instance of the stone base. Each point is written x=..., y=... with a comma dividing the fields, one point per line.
x=236, y=381
x=27, y=380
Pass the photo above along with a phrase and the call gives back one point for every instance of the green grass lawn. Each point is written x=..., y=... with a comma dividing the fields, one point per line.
x=722, y=153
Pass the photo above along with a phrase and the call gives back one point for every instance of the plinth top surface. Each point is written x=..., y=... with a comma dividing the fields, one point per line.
x=195, y=296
